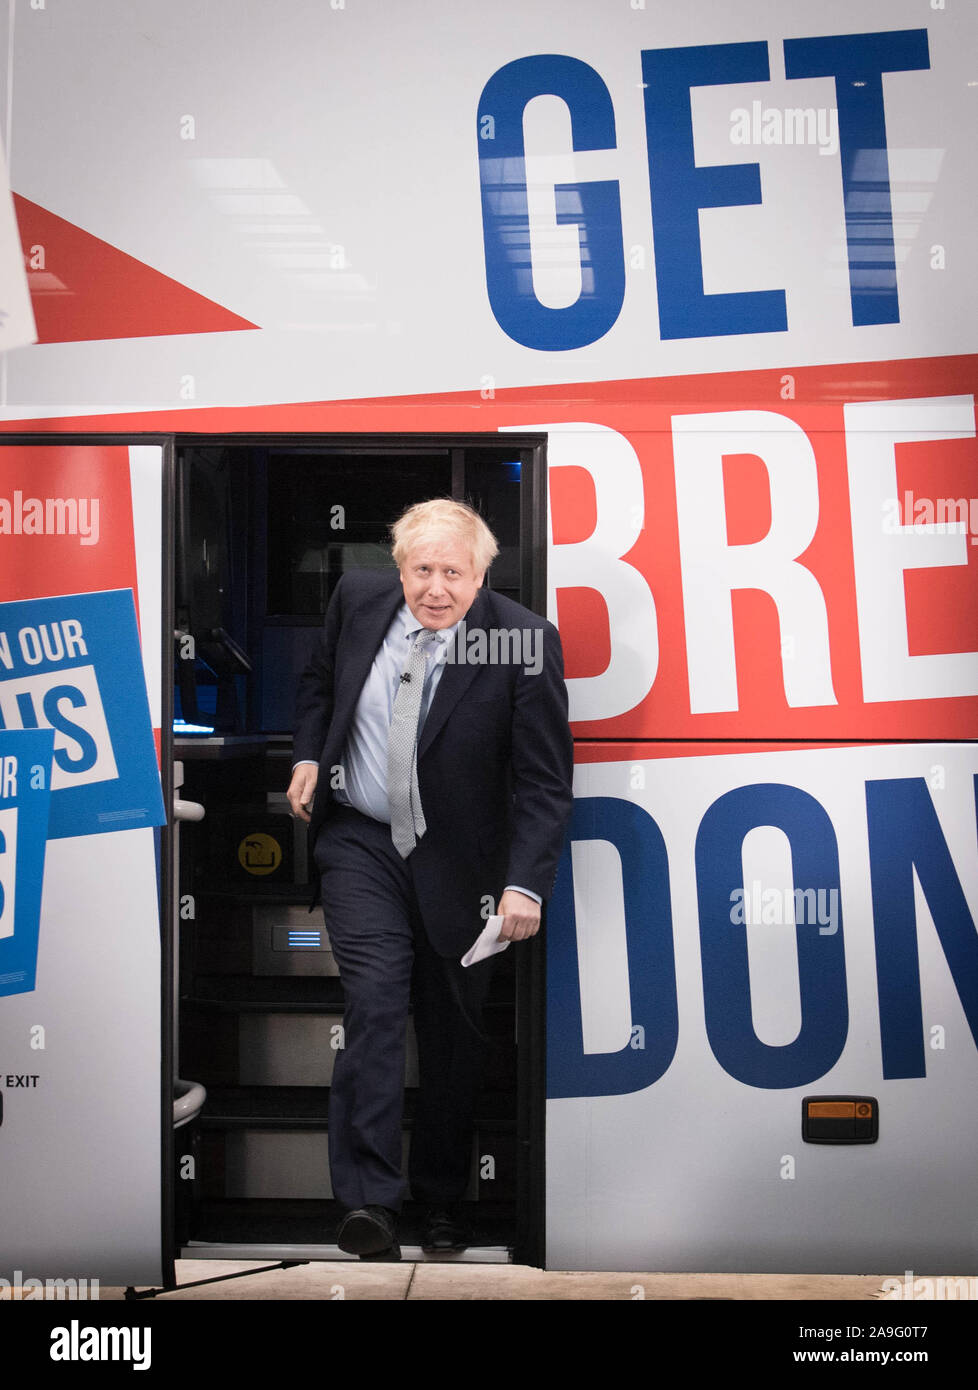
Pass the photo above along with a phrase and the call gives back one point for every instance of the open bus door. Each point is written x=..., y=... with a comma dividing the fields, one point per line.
x=266, y=526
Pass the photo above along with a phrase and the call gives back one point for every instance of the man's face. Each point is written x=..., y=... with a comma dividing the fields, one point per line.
x=440, y=582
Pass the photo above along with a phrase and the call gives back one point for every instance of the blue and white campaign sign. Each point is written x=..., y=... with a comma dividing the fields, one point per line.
x=72, y=664
x=25, y=794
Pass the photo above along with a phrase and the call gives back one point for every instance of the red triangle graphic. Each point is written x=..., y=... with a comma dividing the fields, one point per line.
x=87, y=289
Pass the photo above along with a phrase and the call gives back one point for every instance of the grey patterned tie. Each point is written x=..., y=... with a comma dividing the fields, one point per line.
x=407, y=818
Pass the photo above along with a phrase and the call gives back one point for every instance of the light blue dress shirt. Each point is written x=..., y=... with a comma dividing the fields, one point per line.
x=365, y=756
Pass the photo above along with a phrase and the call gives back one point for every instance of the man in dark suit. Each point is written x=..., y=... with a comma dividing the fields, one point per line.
x=433, y=761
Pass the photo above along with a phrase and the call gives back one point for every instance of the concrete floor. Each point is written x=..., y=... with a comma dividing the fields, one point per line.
x=457, y=1280
x=424, y=1280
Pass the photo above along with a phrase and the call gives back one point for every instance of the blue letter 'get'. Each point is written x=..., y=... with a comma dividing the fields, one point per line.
x=679, y=189
x=595, y=207
x=857, y=62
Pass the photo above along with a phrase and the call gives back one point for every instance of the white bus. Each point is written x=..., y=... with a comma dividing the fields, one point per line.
x=683, y=297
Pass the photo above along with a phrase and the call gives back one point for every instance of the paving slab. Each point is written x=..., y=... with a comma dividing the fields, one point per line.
x=448, y=1280
x=317, y=1281
x=520, y=1282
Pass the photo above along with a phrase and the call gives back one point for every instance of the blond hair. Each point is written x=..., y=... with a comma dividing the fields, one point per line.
x=442, y=518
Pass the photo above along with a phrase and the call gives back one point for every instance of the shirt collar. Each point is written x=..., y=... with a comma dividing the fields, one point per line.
x=409, y=625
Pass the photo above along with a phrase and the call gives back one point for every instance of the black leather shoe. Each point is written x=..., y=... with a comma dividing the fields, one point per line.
x=445, y=1232
x=368, y=1231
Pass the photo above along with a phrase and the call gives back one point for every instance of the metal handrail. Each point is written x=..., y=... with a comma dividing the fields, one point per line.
x=188, y=1102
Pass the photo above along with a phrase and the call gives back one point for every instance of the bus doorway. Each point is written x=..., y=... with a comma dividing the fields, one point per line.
x=265, y=527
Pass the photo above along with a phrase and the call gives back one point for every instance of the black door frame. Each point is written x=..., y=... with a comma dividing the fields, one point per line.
x=530, y=1238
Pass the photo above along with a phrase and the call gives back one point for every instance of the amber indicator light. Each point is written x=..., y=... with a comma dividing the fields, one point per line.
x=840, y=1119
x=834, y=1109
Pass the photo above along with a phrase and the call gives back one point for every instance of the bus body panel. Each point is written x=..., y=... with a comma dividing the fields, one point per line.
x=722, y=258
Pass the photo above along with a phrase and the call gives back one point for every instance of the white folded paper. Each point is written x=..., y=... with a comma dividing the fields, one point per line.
x=487, y=944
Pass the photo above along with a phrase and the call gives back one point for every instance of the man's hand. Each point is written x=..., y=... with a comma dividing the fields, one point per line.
x=302, y=788
x=520, y=914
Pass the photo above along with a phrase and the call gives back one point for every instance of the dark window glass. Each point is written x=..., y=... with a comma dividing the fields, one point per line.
x=328, y=513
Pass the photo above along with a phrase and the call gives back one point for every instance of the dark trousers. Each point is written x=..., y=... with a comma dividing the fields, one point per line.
x=386, y=963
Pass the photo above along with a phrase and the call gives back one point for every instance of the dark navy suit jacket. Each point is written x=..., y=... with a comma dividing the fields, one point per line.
x=494, y=758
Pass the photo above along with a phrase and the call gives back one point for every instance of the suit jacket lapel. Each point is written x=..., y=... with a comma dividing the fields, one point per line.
x=457, y=675
x=369, y=623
